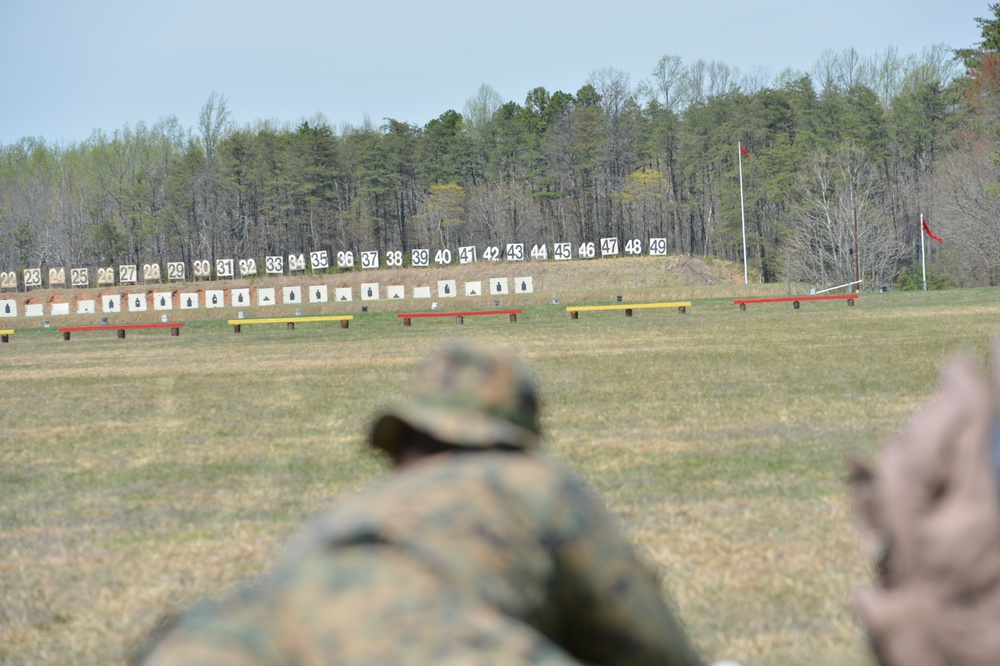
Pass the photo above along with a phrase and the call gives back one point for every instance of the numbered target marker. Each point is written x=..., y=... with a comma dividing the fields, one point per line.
x=274, y=265
x=189, y=300
x=633, y=247
x=34, y=310
x=79, y=277
x=447, y=289
x=498, y=286
x=215, y=298
x=163, y=300
x=105, y=275
x=523, y=285
x=225, y=268
x=474, y=288
x=175, y=270
x=396, y=291
x=562, y=251
x=467, y=254
x=658, y=247
x=369, y=259
x=421, y=292
x=609, y=247
x=32, y=277
x=296, y=262
x=342, y=294
x=319, y=260
x=515, y=252
x=8, y=308
x=151, y=273
x=291, y=294
x=394, y=258
x=57, y=276
x=85, y=307
x=202, y=268
x=265, y=296
x=491, y=253
x=442, y=257
x=111, y=303
x=369, y=291
x=586, y=251
x=59, y=309
x=8, y=280
x=345, y=259
x=540, y=252
x=239, y=297
x=248, y=267
x=128, y=274
x=317, y=293
x=420, y=258
x=136, y=302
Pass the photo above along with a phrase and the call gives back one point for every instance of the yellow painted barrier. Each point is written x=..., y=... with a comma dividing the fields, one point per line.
x=575, y=310
x=5, y=334
x=291, y=321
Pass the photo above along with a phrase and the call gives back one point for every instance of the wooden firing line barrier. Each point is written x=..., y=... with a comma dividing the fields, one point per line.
x=290, y=321
x=5, y=334
x=575, y=310
x=459, y=316
x=175, y=328
x=794, y=300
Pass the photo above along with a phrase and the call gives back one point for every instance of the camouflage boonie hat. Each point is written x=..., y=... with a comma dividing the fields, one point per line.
x=466, y=396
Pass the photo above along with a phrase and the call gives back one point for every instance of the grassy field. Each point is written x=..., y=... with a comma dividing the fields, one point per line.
x=137, y=475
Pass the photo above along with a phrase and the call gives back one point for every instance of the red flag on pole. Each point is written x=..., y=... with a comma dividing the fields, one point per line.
x=746, y=153
x=923, y=224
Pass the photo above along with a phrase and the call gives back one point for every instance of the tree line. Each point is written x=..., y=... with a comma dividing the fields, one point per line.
x=842, y=162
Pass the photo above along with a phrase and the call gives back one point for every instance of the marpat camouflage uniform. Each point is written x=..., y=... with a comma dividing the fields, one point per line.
x=486, y=557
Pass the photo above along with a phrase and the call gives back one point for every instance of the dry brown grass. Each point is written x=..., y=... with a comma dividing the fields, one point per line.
x=138, y=475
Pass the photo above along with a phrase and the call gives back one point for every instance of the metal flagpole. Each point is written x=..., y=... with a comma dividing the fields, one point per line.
x=743, y=215
x=923, y=259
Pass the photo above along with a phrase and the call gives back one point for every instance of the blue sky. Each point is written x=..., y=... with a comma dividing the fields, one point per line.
x=68, y=67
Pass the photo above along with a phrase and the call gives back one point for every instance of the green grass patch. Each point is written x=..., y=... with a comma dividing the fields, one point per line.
x=137, y=475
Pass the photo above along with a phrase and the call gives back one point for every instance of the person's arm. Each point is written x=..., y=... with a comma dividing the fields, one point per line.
x=616, y=611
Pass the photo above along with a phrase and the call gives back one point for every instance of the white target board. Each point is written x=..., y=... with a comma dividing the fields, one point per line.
x=105, y=275
x=658, y=247
x=79, y=277
x=369, y=259
x=8, y=308
x=319, y=260
x=498, y=286
x=633, y=247
x=515, y=252
x=562, y=251
x=274, y=265
x=396, y=291
x=111, y=303
x=265, y=296
x=136, y=302
x=202, y=268
x=474, y=288
x=421, y=292
x=239, y=298
x=447, y=289
x=247, y=267
x=85, y=307
x=420, y=258
x=175, y=270
x=127, y=274
x=59, y=308
x=318, y=293
x=224, y=268
x=32, y=277
x=163, y=300
x=189, y=300
x=609, y=247
x=35, y=310
x=296, y=262
x=215, y=298
x=291, y=294
x=57, y=276
x=523, y=285
x=343, y=294
x=467, y=254
x=369, y=291
x=8, y=280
